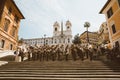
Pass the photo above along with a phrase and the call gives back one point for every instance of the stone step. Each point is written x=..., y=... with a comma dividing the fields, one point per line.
x=40, y=78
x=59, y=63
x=60, y=76
x=61, y=70
x=40, y=65
x=62, y=73
x=54, y=65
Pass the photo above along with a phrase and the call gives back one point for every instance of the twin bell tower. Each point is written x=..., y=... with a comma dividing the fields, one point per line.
x=58, y=28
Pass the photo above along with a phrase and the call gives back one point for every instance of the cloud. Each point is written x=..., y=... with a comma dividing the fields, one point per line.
x=41, y=14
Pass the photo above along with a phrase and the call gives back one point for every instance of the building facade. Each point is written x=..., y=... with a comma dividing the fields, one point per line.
x=93, y=38
x=103, y=34
x=112, y=12
x=60, y=36
x=10, y=17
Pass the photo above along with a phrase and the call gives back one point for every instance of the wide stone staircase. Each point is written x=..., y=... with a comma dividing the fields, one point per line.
x=60, y=70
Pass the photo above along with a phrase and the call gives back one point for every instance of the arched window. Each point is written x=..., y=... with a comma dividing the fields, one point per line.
x=2, y=43
x=6, y=25
x=52, y=41
x=11, y=46
x=16, y=19
x=46, y=42
x=14, y=31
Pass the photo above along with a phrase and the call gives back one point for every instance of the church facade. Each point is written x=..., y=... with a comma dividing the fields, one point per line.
x=60, y=36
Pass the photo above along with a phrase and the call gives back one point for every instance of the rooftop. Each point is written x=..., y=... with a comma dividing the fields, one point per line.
x=18, y=9
x=105, y=6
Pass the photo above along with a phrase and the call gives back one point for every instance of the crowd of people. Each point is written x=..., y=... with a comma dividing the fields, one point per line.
x=66, y=52
x=113, y=54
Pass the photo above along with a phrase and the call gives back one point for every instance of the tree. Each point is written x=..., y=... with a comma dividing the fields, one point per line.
x=76, y=39
x=87, y=25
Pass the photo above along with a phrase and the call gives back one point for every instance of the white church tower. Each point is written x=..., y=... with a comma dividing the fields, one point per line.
x=61, y=36
x=68, y=28
x=68, y=25
x=68, y=32
x=56, y=28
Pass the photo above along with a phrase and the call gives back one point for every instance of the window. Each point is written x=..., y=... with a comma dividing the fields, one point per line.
x=14, y=31
x=16, y=19
x=52, y=40
x=46, y=42
x=2, y=43
x=116, y=44
x=119, y=2
x=6, y=25
x=113, y=29
x=11, y=46
x=10, y=11
x=109, y=12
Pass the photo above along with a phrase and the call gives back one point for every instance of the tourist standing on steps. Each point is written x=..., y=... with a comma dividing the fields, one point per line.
x=73, y=52
x=29, y=54
x=58, y=54
x=81, y=54
x=91, y=53
x=40, y=54
x=86, y=52
x=17, y=55
x=33, y=54
x=67, y=51
x=21, y=54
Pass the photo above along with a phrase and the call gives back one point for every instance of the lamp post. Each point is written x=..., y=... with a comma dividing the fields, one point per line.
x=87, y=25
x=44, y=39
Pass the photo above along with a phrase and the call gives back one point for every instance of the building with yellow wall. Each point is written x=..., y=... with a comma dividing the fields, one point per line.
x=93, y=38
x=10, y=17
x=103, y=34
x=112, y=12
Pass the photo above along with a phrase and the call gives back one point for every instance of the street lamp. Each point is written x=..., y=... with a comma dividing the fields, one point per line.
x=87, y=25
x=44, y=38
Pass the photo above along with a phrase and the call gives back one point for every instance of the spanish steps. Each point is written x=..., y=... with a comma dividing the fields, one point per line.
x=60, y=70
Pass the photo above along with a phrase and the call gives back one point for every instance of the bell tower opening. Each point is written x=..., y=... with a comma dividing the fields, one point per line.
x=68, y=25
x=55, y=29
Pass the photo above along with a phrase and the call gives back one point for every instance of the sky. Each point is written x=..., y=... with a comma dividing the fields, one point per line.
x=40, y=15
